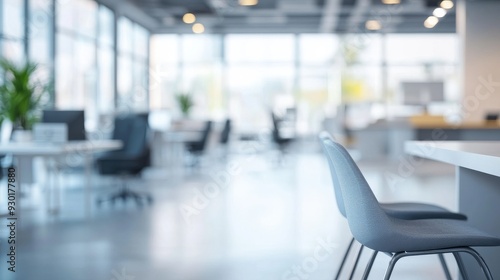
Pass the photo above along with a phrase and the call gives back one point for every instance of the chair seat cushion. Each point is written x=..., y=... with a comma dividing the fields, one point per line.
x=431, y=234
x=416, y=211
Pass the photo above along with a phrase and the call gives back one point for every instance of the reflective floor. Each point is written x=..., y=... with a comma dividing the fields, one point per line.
x=248, y=216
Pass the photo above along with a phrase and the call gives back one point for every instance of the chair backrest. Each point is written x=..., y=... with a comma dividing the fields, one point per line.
x=276, y=128
x=224, y=136
x=132, y=130
x=336, y=184
x=368, y=223
x=205, y=134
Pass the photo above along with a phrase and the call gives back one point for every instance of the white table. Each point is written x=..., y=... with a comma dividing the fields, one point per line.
x=24, y=153
x=170, y=145
x=478, y=180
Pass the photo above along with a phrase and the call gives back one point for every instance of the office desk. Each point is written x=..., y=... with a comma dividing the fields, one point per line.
x=170, y=146
x=478, y=181
x=24, y=153
x=386, y=138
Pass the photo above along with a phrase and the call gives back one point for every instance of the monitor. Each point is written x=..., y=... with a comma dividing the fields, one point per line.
x=422, y=93
x=75, y=120
x=491, y=117
x=50, y=132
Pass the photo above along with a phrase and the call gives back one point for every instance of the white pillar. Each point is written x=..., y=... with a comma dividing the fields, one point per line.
x=478, y=25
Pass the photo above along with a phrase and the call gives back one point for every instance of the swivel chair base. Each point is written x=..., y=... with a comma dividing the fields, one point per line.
x=124, y=194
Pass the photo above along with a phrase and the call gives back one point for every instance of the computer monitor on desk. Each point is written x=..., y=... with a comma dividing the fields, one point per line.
x=422, y=93
x=75, y=121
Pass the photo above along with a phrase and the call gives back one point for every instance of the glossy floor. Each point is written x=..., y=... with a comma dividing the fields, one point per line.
x=251, y=216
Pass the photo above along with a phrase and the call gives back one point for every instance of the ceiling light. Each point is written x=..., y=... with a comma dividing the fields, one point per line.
x=431, y=21
x=446, y=4
x=198, y=28
x=373, y=25
x=189, y=18
x=439, y=12
x=248, y=2
x=391, y=2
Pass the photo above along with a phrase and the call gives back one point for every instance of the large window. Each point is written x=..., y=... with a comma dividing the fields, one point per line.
x=12, y=31
x=76, y=69
x=423, y=57
x=315, y=95
x=80, y=57
x=39, y=23
x=246, y=76
x=165, y=65
x=106, y=61
x=133, y=66
x=260, y=76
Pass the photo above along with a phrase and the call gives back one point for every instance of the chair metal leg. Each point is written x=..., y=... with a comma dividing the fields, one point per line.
x=480, y=261
x=395, y=258
x=461, y=266
x=454, y=251
x=344, y=259
x=445, y=267
x=369, y=266
x=356, y=262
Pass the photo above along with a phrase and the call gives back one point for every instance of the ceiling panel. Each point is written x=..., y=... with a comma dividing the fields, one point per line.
x=277, y=16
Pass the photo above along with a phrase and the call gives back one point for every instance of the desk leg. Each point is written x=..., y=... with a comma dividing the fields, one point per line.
x=479, y=199
x=88, y=182
x=54, y=188
x=24, y=176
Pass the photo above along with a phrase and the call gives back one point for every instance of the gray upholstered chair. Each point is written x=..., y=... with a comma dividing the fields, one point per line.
x=374, y=228
x=402, y=210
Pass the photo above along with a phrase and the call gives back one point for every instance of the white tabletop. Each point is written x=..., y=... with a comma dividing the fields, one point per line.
x=47, y=149
x=481, y=156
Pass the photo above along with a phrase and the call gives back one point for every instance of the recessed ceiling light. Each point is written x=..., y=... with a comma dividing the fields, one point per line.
x=446, y=4
x=189, y=18
x=198, y=28
x=248, y=2
x=439, y=12
x=391, y=2
x=373, y=25
x=431, y=21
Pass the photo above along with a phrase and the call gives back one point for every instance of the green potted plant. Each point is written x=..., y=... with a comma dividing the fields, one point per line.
x=185, y=102
x=20, y=97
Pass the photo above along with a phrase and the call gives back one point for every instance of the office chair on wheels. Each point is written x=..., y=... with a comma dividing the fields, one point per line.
x=401, y=210
x=197, y=148
x=277, y=135
x=134, y=156
x=374, y=228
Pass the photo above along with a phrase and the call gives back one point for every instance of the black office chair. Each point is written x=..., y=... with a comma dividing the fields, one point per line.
x=197, y=148
x=134, y=156
x=224, y=139
x=224, y=136
x=278, y=139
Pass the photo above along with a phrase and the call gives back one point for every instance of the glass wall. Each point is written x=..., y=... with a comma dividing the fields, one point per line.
x=260, y=75
x=188, y=64
x=133, y=67
x=246, y=76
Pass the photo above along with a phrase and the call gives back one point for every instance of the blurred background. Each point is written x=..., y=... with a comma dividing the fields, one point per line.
x=200, y=120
